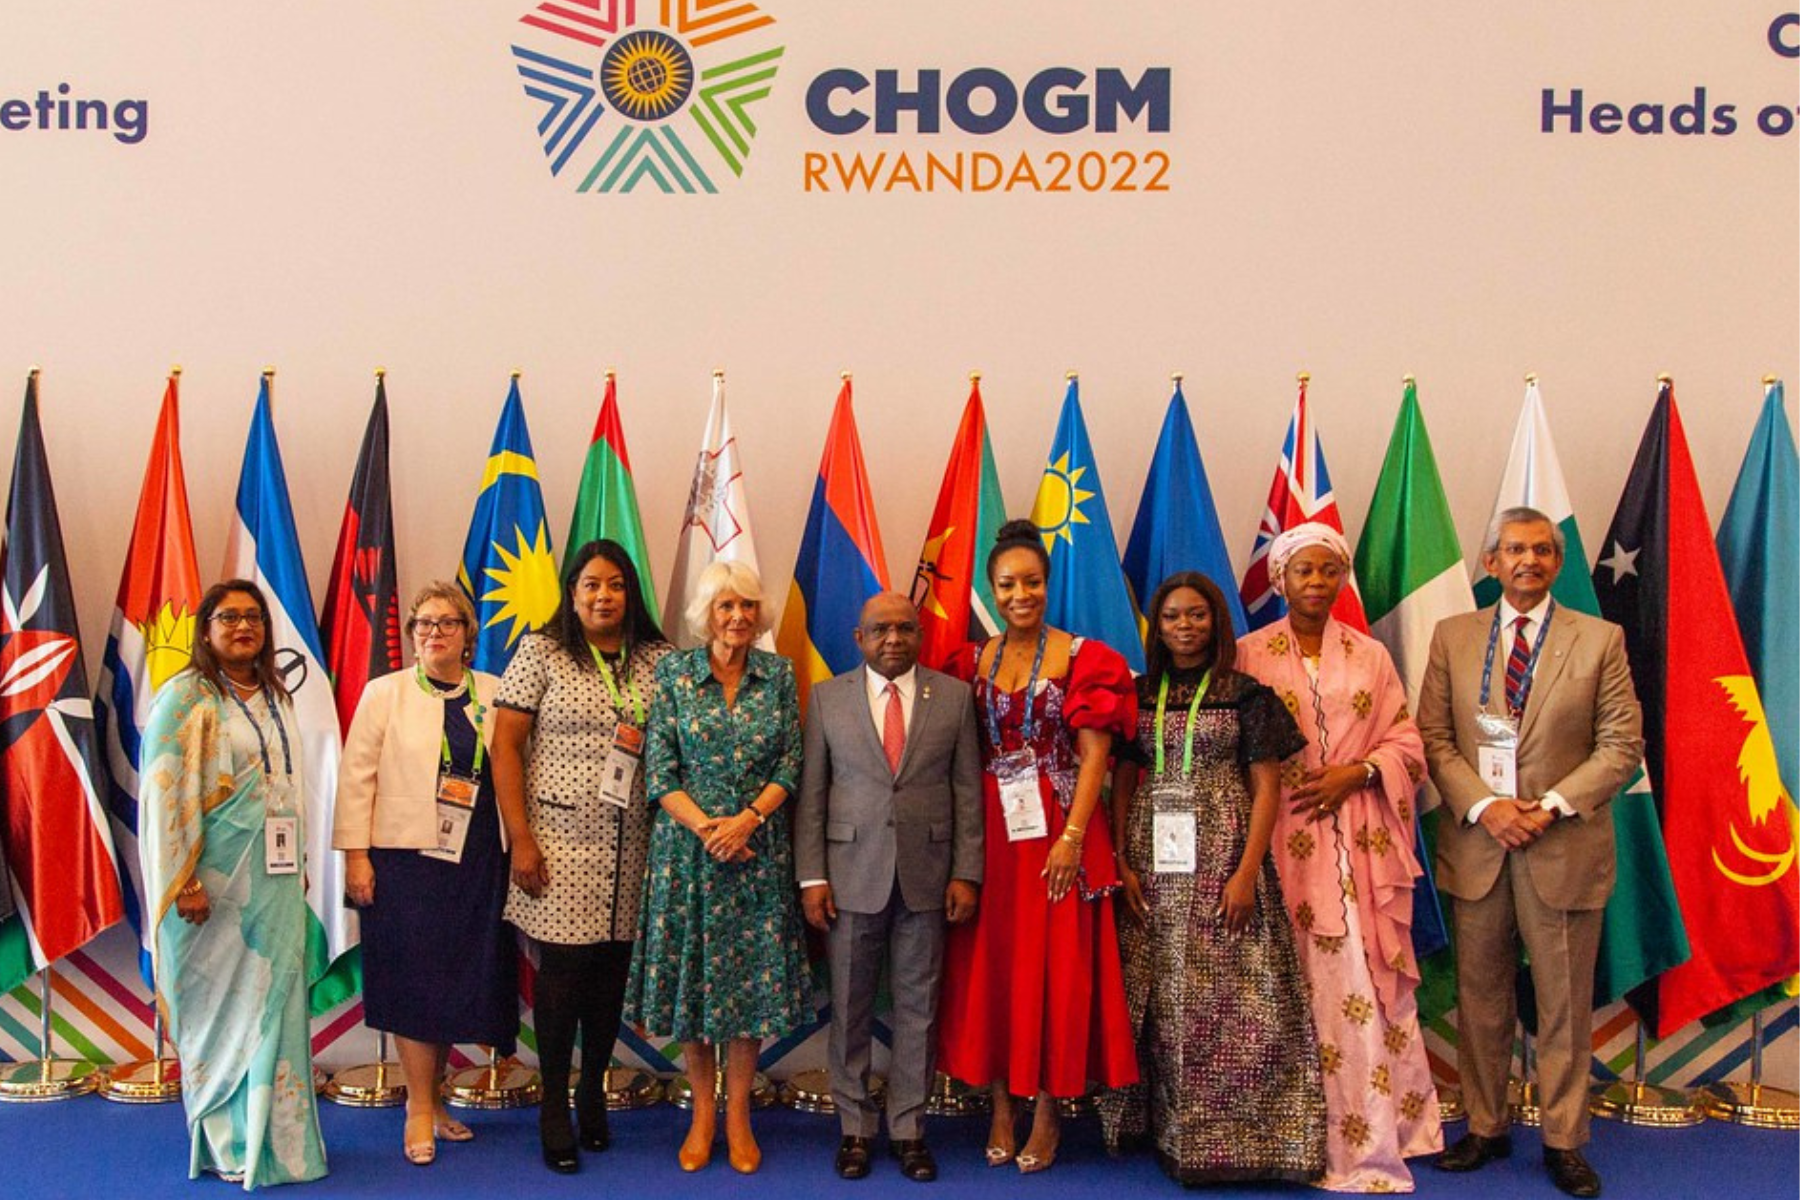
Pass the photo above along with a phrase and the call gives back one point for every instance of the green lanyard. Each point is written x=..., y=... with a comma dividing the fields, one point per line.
x=475, y=711
x=637, y=701
x=1162, y=700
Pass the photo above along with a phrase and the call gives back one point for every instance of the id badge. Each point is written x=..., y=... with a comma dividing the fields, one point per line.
x=456, y=796
x=1021, y=801
x=281, y=845
x=1497, y=753
x=621, y=765
x=1174, y=837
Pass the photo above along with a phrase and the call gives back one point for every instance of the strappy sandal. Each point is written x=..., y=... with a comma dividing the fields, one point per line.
x=999, y=1156
x=419, y=1153
x=448, y=1129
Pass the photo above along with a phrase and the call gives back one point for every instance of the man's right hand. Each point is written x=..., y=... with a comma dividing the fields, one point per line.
x=1511, y=823
x=816, y=903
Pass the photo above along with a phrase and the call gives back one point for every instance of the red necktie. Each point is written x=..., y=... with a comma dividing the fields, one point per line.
x=1518, y=670
x=893, y=728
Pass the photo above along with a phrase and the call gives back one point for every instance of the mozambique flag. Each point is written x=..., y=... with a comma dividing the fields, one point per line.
x=840, y=565
x=361, y=622
x=1727, y=821
x=1177, y=527
x=1088, y=595
x=950, y=587
x=64, y=877
x=606, y=503
x=150, y=640
x=507, y=568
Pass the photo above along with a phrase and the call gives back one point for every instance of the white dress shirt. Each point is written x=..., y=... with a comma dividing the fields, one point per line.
x=1534, y=624
x=875, y=686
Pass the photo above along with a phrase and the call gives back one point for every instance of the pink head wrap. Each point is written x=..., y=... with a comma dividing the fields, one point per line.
x=1291, y=541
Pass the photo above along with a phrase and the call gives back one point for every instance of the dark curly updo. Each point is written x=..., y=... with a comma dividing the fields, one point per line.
x=1018, y=535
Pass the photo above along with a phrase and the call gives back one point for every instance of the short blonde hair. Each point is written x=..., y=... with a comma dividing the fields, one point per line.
x=718, y=578
x=456, y=598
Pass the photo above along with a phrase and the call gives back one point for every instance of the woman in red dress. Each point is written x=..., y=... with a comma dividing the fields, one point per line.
x=1034, y=1000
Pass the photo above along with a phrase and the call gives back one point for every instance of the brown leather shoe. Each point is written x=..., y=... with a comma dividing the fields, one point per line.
x=852, y=1158
x=1570, y=1172
x=1473, y=1152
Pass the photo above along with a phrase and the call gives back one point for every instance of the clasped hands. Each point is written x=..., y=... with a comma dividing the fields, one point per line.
x=1323, y=792
x=727, y=839
x=1516, y=824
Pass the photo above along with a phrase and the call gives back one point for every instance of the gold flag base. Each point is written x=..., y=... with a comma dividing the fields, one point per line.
x=1752, y=1104
x=1450, y=1106
x=681, y=1091
x=810, y=1092
x=1646, y=1104
x=372, y=1085
x=501, y=1083
x=954, y=1098
x=148, y=1081
x=47, y=1079
x=626, y=1088
x=1522, y=1103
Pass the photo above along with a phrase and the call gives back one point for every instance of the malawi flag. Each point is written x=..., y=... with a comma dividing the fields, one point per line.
x=606, y=503
x=361, y=623
x=264, y=546
x=1088, y=595
x=65, y=880
x=1300, y=492
x=149, y=642
x=950, y=587
x=1727, y=821
x=841, y=562
x=1177, y=527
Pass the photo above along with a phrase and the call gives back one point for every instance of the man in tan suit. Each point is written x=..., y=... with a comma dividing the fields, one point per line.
x=1531, y=726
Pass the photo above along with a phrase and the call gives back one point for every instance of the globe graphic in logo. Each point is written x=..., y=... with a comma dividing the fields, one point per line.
x=646, y=75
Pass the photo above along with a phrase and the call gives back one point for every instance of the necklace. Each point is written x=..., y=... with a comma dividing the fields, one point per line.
x=244, y=689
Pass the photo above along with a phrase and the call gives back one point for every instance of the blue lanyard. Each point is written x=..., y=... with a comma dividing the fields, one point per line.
x=1027, y=724
x=475, y=714
x=262, y=743
x=1162, y=700
x=1487, y=667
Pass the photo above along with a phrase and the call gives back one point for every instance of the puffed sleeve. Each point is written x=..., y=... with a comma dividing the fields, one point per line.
x=1267, y=732
x=786, y=771
x=527, y=675
x=1127, y=747
x=1101, y=693
x=662, y=745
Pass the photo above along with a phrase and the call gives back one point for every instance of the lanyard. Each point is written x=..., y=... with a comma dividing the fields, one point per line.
x=476, y=711
x=262, y=742
x=1162, y=700
x=1487, y=668
x=1027, y=724
x=631, y=688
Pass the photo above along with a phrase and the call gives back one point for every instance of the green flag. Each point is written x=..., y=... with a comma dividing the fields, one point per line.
x=1643, y=935
x=606, y=502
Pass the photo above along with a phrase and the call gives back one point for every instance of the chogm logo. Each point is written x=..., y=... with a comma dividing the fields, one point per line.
x=666, y=103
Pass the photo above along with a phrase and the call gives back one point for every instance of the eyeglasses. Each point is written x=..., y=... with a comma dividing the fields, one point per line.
x=231, y=619
x=440, y=625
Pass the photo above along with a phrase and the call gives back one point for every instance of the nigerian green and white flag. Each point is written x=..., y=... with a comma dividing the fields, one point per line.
x=1643, y=935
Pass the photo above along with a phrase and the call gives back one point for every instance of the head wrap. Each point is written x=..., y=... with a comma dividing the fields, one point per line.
x=1291, y=541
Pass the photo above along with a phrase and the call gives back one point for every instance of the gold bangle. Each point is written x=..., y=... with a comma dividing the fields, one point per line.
x=192, y=887
x=1079, y=836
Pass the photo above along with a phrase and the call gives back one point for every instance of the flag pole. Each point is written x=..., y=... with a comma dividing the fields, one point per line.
x=498, y=1083
x=153, y=1080
x=1640, y=1102
x=1522, y=1093
x=1755, y=1103
x=48, y=1078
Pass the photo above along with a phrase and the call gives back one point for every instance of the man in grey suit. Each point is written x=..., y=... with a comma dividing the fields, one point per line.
x=1531, y=726
x=887, y=850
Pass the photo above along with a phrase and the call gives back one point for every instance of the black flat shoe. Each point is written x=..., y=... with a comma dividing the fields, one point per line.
x=558, y=1141
x=596, y=1135
x=915, y=1158
x=852, y=1158
x=1570, y=1172
x=1473, y=1152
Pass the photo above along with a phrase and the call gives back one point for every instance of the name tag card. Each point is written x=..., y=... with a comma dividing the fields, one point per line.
x=456, y=797
x=1499, y=767
x=1173, y=836
x=281, y=845
x=621, y=766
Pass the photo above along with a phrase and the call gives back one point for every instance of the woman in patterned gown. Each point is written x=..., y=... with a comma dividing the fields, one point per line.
x=721, y=958
x=1344, y=847
x=221, y=792
x=1033, y=1000
x=577, y=693
x=1230, y=1085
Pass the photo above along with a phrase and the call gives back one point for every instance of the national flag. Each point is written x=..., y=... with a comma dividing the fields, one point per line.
x=1411, y=569
x=149, y=642
x=1643, y=934
x=606, y=504
x=63, y=873
x=1728, y=823
x=1177, y=527
x=716, y=524
x=950, y=587
x=507, y=566
x=840, y=564
x=1088, y=595
x=1300, y=492
x=264, y=546
x=361, y=621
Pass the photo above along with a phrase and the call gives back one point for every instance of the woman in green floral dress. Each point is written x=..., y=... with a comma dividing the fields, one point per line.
x=719, y=952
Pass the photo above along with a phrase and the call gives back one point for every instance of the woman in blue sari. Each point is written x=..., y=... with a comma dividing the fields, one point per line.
x=221, y=830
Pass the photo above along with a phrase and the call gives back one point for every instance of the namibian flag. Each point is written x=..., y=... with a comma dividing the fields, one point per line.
x=65, y=882
x=841, y=563
x=361, y=622
x=950, y=587
x=507, y=568
x=606, y=503
x=151, y=638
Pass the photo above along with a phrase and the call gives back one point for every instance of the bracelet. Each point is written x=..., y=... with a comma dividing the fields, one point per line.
x=757, y=813
x=192, y=887
x=1079, y=836
x=1370, y=767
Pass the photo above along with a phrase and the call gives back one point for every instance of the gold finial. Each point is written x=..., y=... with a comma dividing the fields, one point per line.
x=1408, y=378
x=33, y=373
x=718, y=372
x=381, y=372
x=1664, y=377
x=1072, y=375
x=268, y=372
x=1176, y=376
x=1771, y=379
x=175, y=371
x=974, y=376
x=611, y=374
x=1303, y=376
x=844, y=375
x=516, y=372
x=1531, y=377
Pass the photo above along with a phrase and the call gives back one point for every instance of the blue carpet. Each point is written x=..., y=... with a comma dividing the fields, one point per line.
x=91, y=1147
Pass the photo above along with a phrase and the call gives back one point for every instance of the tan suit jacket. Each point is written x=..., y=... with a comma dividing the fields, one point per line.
x=1581, y=737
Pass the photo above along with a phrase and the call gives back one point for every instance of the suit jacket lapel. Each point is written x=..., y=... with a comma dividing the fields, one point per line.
x=858, y=686
x=921, y=707
x=1559, y=645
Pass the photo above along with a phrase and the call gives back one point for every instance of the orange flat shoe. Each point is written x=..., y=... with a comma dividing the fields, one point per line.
x=694, y=1155
x=745, y=1160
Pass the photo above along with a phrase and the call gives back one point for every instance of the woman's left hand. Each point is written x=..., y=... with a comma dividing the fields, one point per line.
x=1324, y=791
x=1060, y=867
x=1238, y=904
x=729, y=839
